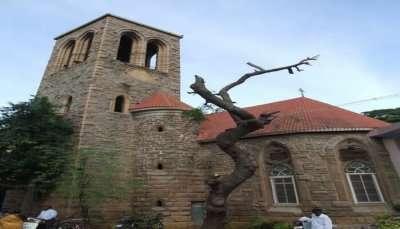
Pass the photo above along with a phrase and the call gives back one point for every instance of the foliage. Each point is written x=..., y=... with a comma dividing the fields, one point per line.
x=142, y=220
x=94, y=178
x=387, y=222
x=195, y=114
x=264, y=223
x=199, y=113
x=387, y=115
x=283, y=226
x=34, y=144
x=396, y=207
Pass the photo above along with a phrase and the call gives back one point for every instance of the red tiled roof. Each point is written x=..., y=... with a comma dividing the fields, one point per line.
x=295, y=116
x=160, y=99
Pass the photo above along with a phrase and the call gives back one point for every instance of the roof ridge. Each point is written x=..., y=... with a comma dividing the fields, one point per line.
x=120, y=18
x=344, y=110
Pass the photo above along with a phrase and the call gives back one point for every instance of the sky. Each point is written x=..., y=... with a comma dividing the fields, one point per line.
x=358, y=43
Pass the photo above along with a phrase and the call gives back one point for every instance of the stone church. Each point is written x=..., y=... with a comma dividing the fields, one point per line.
x=119, y=82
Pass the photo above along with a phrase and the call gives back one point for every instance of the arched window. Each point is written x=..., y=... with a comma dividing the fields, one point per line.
x=128, y=47
x=66, y=54
x=67, y=105
x=119, y=105
x=84, y=46
x=283, y=185
x=156, y=55
x=362, y=181
x=151, y=55
x=125, y=48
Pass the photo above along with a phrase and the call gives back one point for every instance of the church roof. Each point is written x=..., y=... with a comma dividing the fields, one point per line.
x=298, y=115
x=160, y=100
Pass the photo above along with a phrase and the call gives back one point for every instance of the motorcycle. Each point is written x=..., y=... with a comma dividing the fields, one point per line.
x=302, y=223
x=31, y=223
x=78, y=223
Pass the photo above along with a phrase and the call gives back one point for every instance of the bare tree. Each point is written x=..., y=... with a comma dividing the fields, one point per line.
x=245, y=164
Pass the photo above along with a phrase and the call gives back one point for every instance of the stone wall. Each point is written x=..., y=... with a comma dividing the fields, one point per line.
x=319, y=177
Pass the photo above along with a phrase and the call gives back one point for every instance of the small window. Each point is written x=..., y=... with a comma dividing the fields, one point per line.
x=363, y=184
x=119, y=104
x=160, y=166
x=159, y=203
x=67, y=105
x=125, y=48
x=151, y=55
x=160, y=128
x=197, y=210
x=283, y=186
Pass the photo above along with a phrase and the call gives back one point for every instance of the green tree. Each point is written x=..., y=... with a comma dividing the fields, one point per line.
x=34, y=145
x=387, y=115
x=95, y=178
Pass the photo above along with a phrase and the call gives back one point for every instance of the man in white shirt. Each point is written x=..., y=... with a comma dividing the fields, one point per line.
x=48, y=214
x=320, y=220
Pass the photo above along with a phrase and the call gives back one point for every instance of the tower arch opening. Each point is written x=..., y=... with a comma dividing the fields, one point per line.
x=127, y=45
x=156, y=55
x=85, y=43
x=66, y=54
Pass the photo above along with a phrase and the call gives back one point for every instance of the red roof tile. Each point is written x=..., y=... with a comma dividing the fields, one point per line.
x=160, y=99
x=295, y=116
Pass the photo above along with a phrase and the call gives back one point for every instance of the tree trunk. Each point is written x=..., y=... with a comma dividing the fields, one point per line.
x=245, y=164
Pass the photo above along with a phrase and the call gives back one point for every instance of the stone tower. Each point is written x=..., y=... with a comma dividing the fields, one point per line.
x=98, y=69
x=97, y=73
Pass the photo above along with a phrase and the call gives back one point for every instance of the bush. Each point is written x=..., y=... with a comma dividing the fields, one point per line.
x=387, y=222
x=195, y=114
x=282, y=226
x=263, y=223
x=396, y=207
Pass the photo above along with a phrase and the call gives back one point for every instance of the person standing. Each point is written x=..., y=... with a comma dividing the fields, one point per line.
x=320, y=220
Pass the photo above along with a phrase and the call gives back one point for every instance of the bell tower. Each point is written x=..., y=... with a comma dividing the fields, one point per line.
x=98, y=69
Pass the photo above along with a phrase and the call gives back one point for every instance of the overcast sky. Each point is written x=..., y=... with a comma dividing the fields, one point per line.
x=359, y=44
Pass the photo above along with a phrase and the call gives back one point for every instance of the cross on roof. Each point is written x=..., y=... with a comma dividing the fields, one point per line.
x=301, y=92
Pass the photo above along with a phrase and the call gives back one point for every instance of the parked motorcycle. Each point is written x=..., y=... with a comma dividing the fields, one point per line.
x=31, y=223
x=76, y=223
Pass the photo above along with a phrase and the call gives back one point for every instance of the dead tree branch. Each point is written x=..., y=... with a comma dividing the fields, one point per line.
x=245, y=163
